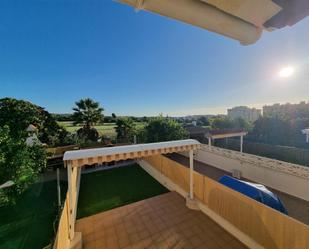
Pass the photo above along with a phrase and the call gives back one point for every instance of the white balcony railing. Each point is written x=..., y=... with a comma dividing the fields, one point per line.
x=286, y=177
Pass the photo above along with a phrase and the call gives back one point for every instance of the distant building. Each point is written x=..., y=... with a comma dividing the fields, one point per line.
x=244, y=112
x=288, y=110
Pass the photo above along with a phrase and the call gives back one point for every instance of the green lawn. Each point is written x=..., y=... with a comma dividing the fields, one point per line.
x=107, y=189
x=29, y=223
x=107, y=129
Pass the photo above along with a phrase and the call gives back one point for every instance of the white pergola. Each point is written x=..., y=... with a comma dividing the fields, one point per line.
x=213, y=135
x=74, y=160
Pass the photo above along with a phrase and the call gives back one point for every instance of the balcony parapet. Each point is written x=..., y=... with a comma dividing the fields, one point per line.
x=258, y=161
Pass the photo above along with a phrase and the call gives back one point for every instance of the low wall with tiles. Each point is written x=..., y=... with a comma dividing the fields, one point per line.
x=290, y=178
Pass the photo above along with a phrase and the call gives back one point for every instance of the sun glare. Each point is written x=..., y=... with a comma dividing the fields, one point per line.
x=286, y=72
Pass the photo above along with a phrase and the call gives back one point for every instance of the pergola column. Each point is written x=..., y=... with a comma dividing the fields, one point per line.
x=191, y=174
x=241, y=143
x=190, y=200
x=70, y=195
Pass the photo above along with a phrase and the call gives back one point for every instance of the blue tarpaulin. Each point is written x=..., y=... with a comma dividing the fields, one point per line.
x=257, y=192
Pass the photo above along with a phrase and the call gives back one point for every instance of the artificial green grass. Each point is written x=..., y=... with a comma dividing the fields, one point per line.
x=107, y=189
x=29, y=223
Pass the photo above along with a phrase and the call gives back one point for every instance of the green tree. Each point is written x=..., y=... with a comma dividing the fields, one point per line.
x=203, y=121
x=271, y=130
x=163, y=129
x=297, y=125
x=144, y=119
x=18, y=163
x=62, y=117
x=114, y=116
x=222, y=123
x=87, y=112
x=110, y=119
x=19, y=114
x=240, y=123
x=125, y=128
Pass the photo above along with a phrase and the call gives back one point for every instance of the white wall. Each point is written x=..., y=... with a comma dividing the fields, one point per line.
x=290, y=178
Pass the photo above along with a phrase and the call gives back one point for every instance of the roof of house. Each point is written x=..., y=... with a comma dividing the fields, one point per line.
x=31, y=127
x=242, y=20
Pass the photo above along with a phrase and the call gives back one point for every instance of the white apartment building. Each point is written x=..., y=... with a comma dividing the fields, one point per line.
x=244, y=112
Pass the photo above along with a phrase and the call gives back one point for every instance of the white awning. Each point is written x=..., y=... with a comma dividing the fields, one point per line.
x=108, y=154
x=241, y=20
x=252, y=11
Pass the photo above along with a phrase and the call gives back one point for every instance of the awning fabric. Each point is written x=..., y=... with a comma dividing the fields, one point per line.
x=91, y=156
x=255, y=12
x=242, y=20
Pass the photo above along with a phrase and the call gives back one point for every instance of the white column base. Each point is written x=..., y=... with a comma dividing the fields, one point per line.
x=192, y=203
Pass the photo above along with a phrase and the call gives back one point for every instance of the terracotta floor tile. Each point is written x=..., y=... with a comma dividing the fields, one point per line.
x=161, y=222
x=101, y=243
x=112, y=243
x=123, y=241
x=134, y=238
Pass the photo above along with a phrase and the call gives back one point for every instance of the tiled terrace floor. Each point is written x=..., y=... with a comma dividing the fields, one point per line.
x=163, y=221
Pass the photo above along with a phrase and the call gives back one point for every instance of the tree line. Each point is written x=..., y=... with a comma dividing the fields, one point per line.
x=88, y=113
x=22, y=164
x=274, y=129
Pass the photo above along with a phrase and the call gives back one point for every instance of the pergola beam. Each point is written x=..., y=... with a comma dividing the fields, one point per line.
x=101, y=155
x=227, y=135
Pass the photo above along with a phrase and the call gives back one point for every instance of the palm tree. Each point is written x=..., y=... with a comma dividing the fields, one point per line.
x=87, y=112
x=125, y=128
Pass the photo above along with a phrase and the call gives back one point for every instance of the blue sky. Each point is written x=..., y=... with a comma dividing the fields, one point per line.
x=54, y=52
